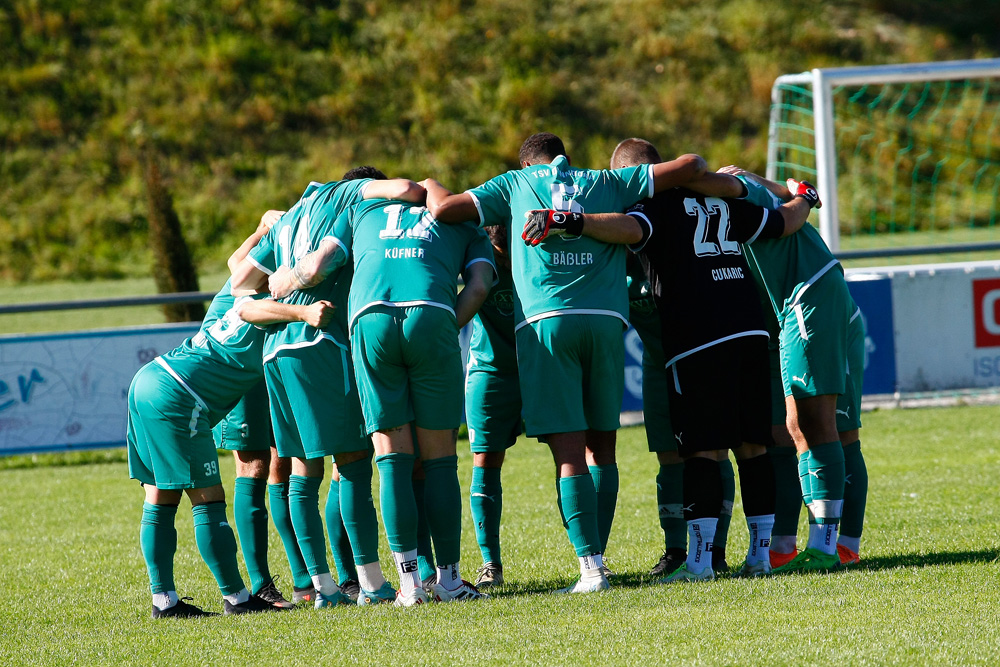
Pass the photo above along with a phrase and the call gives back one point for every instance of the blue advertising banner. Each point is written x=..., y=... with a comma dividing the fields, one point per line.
x=873, y=294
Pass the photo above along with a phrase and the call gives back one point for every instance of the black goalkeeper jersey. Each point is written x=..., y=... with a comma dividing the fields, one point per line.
x=701, y=284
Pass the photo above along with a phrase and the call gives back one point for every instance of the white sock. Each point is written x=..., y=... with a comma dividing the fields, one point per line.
x=164, y=600
x=783, y=544
x=449, y=577
x=370, y=576
x=409, y=573
x=760, y=538
x=823, y=537
x=238, y=598
x=852, y=543
x=701, y=535
x=325, y=584
x=590, y=563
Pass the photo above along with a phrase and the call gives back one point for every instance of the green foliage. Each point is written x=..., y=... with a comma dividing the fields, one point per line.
x=71, y=567
x=249, y=100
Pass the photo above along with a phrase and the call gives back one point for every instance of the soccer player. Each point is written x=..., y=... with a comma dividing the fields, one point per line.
x=570, y=306
x=716, y=349
x=492, y=408
x=822, y=366
x=404, y=322
x=644, y=317
x=174, y=401
x=313, y=394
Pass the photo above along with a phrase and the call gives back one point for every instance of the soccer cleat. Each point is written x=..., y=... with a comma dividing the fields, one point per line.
x=269, y=593
x=352, y=589
x=466, y=592
x=671, y=559
x=778, y=559
x=810, y=560
x=412, y=599
x=719, y=563
x=588, y=585
x=332, y=600
x=253, y=605
x=384, y=595
x=608, y=572
x=847, y=555
x=181, y=610
x=428, y=583
x=489, y=575
x=683, y=574
x=759, y=569
x=307, y=594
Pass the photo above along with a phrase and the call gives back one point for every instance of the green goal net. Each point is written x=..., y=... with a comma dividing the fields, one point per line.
x=911, y=151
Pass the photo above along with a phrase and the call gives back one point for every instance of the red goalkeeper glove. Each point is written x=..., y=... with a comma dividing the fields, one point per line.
x=806, y=190
x=541, y=224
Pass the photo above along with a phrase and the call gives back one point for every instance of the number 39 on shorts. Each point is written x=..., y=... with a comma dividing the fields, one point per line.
x=211, y=468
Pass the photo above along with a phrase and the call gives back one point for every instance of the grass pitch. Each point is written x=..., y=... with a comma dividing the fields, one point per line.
x=73, y=585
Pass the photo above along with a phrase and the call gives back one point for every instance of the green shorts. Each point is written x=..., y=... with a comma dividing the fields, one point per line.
x=409, y=367
x=169, y=438
x=314, y=402
x=247, y=427
x=492, y=409
x=656, y=405
x=572, y=370
x=849, y=403
x=814, y=338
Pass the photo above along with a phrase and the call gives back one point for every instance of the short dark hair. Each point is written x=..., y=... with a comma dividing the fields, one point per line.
x=634, y=151
x=366, y=171
x=541, y=147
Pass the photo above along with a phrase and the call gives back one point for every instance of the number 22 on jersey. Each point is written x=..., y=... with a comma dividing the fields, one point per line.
x=703, y=246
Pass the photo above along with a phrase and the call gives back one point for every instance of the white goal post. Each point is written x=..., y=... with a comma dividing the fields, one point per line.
x=822, y=83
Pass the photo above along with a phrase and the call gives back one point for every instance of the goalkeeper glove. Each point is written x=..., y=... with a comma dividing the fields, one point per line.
x=806, y=190
x=546, y=222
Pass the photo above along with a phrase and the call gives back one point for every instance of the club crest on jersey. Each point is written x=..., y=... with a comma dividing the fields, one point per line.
x=503, y=301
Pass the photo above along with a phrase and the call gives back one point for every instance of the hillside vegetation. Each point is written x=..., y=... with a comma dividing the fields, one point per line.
x=246, y=101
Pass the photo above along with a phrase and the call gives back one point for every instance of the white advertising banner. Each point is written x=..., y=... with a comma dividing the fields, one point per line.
x=69, y=391
x=947, y=326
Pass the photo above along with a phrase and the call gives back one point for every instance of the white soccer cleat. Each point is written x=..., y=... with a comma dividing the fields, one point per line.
x=464, y=593
x=415, y=597
x=759, y=569
x=683, y=574
x=586, y=585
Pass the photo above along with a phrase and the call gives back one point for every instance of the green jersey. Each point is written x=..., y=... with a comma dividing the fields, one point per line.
x=221, y=362
x=564, y=275
x=788, y=265
x=492, y=344
x=297, y=233
x=404, y=257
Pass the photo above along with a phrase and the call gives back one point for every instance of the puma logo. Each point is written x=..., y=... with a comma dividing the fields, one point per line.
x=483, y=495
x=846, y=413
x=689, y=508
x=679, y=437
x=800, y=380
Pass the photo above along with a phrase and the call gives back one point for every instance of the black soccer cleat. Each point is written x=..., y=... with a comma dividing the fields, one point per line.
x=181, y=610
x=351, y=589
x=253, y=605
x=671, y=559
x=719, y=563
x=269, y=593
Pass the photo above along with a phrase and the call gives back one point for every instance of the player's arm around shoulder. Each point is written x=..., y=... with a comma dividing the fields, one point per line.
x=402, y=189
x=479, y=278
x=796, y=211
x=263, y=312
x=677, y=172
x=617, y=228
x=447, y=207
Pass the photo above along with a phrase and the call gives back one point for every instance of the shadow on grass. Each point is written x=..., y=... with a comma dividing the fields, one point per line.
x=639, y=580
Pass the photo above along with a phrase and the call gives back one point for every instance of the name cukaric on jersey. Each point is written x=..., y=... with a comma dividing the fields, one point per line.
x=728, y=273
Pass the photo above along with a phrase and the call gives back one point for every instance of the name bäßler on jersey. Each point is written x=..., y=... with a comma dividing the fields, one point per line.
x=571, y=258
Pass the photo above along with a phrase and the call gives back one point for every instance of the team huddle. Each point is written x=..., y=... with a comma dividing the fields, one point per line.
x=338, y=335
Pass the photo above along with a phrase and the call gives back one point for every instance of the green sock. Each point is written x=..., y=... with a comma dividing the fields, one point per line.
x=486, y=499
x=158, y=541
x=443, y=499
x=340, y=544
x=579, y=506
x=559, y=504
x=399, y=512
x=855, y=491
x=250, y=514
x=805, y=482
x=303, y=505
x=282, y=518
x=358, y=510
x=606, y=484
x=788, y=491
x=728, y=498
x=425, y=551
x=670, y=502
x=217, y=545
x=826, y=474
